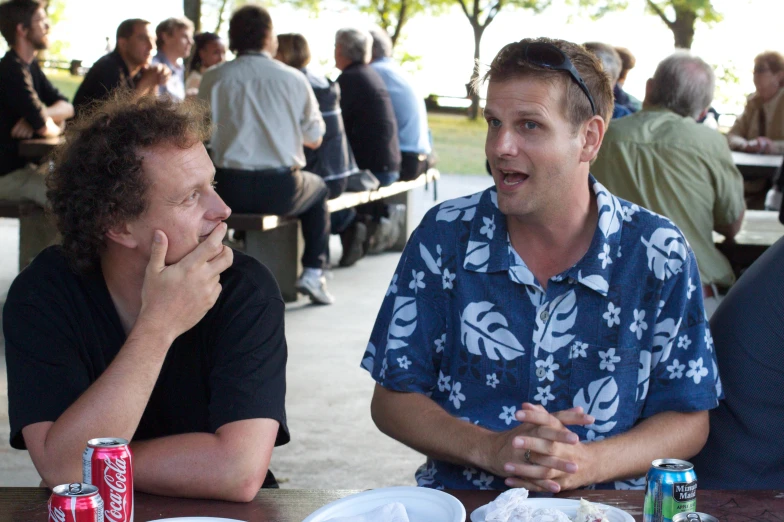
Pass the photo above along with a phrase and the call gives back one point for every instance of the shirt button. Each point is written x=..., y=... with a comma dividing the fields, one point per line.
x=544, y=315
x=541, y=372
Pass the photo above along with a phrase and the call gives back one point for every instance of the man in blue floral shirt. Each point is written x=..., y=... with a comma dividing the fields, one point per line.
x=544, y=333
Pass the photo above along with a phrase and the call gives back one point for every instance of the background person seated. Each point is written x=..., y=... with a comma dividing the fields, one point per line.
x=208, y=50
x=661, y=159
x=371, y=128
x=174, y=39
x=409, y=107
x=628, y=61
x=30, y=106
x=127, y=67
x=761, y=126
x=259, y=153
x=333, y=160
x=611, y=61
x=744, y=449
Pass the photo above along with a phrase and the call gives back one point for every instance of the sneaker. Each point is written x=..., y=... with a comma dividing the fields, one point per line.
x=773, y=199
x=353, y=239
x=315, y=287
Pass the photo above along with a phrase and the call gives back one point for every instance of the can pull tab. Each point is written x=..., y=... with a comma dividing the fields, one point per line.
x=693, y=517
x=75, y=488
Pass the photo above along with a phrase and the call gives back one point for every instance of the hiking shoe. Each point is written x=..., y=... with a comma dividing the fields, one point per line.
x=353, y=240
x=315, y=287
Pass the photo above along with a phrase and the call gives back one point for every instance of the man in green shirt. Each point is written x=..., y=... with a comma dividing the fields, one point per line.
x=663, y=160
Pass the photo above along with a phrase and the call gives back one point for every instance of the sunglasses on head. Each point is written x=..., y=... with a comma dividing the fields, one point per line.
x=551, y=57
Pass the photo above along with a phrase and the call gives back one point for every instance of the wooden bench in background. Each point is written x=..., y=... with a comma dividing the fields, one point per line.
x=36, y=228
x=277, y=242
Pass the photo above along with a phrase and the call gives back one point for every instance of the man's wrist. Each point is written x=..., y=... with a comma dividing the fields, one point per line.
x=154, y=332
x=484, y=454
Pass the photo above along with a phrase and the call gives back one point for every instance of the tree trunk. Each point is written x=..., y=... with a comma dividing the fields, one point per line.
x=192, y=10
x=221, y=10
x=683, y=28
x=473, y=110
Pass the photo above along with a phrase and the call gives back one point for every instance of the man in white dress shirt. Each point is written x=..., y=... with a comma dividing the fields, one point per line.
x=265, y=112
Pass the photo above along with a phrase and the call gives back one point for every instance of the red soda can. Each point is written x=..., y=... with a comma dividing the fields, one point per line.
x=75, y=503
x=108, y=465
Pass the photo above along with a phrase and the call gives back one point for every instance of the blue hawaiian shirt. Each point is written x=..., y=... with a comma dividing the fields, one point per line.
x=622, y=333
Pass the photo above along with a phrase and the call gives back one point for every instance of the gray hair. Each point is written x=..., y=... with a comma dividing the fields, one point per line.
x=682, y=83
x=382, y=43
x=355, y=44
x=611, y=60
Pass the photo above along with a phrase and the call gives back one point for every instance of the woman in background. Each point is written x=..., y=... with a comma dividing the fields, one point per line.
x=761, y=126
x=208, y=50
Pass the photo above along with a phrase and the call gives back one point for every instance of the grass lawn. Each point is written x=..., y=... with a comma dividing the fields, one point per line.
x=459, y=143
x=64, y=81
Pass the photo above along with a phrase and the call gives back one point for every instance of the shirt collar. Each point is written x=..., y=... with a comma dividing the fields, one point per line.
x=489, y=248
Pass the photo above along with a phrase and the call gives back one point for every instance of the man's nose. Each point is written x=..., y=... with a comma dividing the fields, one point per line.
x=504, y=143
x=219, y=210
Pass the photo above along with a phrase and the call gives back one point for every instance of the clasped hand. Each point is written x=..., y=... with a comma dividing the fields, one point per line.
x=557, y=459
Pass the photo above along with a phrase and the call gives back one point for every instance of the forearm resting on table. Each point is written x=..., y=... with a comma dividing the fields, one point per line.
x=665, y=435
x=112, y=405
x=228, y=465
x=418, y=422
x=60, y=111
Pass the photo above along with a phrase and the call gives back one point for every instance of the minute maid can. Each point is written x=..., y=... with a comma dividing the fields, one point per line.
x=671, y=488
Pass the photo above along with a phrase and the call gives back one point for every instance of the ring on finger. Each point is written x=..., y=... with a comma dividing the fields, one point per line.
x=527, y=456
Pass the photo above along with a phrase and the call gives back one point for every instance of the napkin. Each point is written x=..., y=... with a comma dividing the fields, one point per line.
x=392, y=512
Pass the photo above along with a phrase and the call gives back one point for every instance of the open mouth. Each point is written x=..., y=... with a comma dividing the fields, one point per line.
x=510, y=178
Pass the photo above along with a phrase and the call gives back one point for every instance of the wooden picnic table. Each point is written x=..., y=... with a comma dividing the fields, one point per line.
x=38, y=148
x=293, y=505
x=757, y=166
x=759, y=230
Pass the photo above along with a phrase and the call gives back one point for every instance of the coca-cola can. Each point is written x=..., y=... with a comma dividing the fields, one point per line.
x=108, y=464
x=75, y=503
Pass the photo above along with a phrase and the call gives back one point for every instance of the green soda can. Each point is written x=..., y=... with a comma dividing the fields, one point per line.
x=671, y=488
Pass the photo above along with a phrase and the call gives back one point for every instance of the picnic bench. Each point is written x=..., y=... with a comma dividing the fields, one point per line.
x=277, y=242
x=36, y=229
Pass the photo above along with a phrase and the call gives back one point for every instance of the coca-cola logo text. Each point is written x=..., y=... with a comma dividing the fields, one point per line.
x=56, y=514
x=115, y=477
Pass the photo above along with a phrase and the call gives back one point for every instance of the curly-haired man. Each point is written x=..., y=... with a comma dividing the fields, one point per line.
x=142, y=325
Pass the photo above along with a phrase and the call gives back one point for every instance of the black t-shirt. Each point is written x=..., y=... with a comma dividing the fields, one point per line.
x=106, y=75
x=24, y=93
x=369, y=119
x=62, y=331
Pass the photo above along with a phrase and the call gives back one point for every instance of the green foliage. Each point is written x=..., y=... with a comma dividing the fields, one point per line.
x=702, y=8
x=680, y=16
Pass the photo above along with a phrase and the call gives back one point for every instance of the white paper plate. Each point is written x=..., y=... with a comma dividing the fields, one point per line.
x=422, y=505
x=196, y=519
x=567, y=505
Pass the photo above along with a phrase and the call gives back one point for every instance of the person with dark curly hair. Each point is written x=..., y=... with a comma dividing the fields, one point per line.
x=265, y=113
x=143, y=325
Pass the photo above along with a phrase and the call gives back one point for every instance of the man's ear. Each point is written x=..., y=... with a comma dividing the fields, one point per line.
x=122, y=235
x=21, y=32
x=593, y=134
